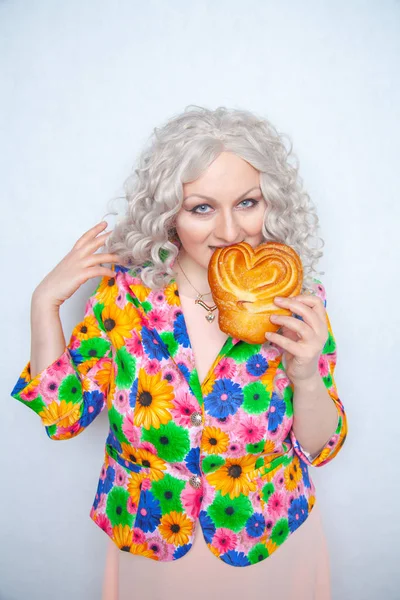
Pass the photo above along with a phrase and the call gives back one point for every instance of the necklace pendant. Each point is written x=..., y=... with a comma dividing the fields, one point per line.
x=210, y=317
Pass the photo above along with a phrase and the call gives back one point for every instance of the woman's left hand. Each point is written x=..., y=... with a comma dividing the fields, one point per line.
x=302, y=340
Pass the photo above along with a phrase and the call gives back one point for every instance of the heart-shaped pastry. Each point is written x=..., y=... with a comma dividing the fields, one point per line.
x=244, y=282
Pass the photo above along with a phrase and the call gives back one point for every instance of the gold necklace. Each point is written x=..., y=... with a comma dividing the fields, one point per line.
x=199, y=300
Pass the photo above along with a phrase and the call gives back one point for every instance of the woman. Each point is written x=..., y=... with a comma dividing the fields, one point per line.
x=210, y=437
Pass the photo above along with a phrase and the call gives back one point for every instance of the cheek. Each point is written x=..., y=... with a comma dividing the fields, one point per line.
x=191, y=230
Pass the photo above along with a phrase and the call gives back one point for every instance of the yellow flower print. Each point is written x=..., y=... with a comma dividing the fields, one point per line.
x=63, y=414
x=269, y=447
x=151, y=461
x=119, y=323
x=214, y=440
x=176, y=528
x=87, y=329
x=107, y=291
x=232, y=478
x=141, y=291
x=122, y=536
x=143, y=550
x=134, y=485
x=290, y=478
x=153, y=401
x=214, y=550
x=297, y=469
x=172, y=294
x=208, y=385
x=268, y=378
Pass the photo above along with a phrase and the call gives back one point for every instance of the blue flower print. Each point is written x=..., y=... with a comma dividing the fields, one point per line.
x=255, y=525
x=180, y=331
x=153, y=346
x=257, y=365
x=297, y=512
x=148, y=512
x=192, y=460
x=93, y=403
x=225, y=398
x=108, y=482
x=236, y=559
x=207, y=525
x=276, y=412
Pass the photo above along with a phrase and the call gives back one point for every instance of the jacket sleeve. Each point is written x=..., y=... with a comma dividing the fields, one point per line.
x=70, y=393
x=327, y=364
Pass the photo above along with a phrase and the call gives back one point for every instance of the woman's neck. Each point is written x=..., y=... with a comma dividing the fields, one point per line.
x=195, y=273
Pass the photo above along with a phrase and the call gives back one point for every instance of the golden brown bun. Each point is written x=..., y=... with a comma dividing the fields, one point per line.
x=244, y=283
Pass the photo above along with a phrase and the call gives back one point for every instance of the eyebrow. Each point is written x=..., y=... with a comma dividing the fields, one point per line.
x=213, y=199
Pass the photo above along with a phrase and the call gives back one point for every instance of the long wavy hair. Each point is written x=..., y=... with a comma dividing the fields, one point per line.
x=179, y=152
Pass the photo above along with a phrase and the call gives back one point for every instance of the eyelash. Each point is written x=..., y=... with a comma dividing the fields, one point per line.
x=255, y=202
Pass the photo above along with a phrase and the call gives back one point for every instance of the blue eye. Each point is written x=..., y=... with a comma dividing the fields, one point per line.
x=196, y=210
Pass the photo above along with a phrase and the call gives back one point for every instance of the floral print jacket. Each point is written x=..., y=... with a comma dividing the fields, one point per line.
x=222, y=454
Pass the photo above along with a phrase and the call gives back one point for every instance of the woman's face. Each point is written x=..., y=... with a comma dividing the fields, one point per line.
x=223, y=206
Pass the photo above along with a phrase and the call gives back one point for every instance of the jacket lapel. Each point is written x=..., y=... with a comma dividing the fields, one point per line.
x=185, y=349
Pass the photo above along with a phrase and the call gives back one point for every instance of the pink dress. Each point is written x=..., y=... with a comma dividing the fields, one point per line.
x=299, y=568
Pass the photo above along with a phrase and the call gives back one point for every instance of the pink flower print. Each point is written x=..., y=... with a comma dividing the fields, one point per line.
x=152, y=366
x=235, y=449
x=131, y=432
x=103, y=473
x=277, y=504
x=226, y=425
x=178, y=469
x=104, y=522
x=49, y=385
x=72, y=429
x=31, y=393
x=323, y=365
x=224, y=540
x=138, y=536
x=157, y=298
x=176, y=311
x=242, y=377
x=157, y=318
x=171, y=376
x=285, y=427
x=146, y=484
x=121, y=400
x=150, y=447
x=120, y=300
x=191, y=499
x=131, y=506
x=281, y=383
x=134, y=344
x=74, y=343
x=249, y=431
x=279, y=480
x=184, y=406
x=225, y=368
x=62, y=366
x=102, y=503
x=121, y=476
x=160, y=547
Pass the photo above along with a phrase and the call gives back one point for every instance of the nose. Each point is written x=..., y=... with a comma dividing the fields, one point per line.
x=227, y=228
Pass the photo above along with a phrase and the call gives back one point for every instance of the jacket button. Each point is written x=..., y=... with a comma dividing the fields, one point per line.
x=195, y=481
x=196, y=418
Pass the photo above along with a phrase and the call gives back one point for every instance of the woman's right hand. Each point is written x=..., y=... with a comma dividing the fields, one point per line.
x=79, y=265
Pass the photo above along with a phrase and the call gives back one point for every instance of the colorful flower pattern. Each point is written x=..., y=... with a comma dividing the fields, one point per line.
x=222, y=454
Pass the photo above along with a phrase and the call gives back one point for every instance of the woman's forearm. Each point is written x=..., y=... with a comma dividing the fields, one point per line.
x=314, y=414
x=47, y=336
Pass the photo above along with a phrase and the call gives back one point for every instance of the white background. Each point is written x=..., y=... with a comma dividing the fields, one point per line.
x=83, y=85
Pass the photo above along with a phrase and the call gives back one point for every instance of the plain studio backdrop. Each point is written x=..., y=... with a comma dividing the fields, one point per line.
x=83, y=85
